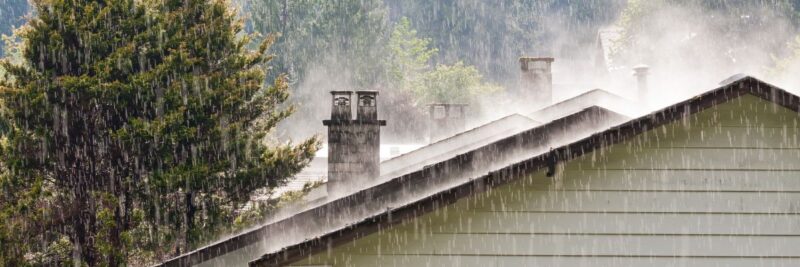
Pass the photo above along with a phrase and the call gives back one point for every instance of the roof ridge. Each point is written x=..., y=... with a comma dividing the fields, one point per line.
x=464, y=132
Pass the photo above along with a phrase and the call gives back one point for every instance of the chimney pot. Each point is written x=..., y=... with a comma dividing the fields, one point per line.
x=367, y=109
x=341, y=105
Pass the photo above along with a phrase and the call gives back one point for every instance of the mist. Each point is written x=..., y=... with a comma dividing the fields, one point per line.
x=690, y=46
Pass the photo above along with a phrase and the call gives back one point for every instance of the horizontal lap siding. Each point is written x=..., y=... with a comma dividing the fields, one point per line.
x=492, y=261
x=634, y=223
x=720, y=189
x=597, y=245
x=649, y=201
x=684, y=180
x=697, y=159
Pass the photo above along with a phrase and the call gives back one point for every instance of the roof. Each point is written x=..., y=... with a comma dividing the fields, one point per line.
x=400, y=191
x=574, y=147
x=456, y=144
x=595, y=97
x=605, y=44
x=468, y=173
x=336, y=215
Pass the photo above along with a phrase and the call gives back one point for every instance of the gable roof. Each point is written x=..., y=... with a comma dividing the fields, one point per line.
x=339, y=214
x=575, y=148
x=456, y=144
x=604, y=45
x=594, y=97
x=426, y=190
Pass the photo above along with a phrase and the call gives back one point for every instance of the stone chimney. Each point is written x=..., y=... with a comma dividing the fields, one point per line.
x=640, y=71
x=536, y=81
x=446, y=120
x=353, y=144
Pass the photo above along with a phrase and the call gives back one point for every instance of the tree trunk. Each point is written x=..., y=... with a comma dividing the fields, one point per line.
x=81, y=224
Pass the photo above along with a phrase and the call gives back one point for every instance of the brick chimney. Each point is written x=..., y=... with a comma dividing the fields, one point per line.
x=446, y=120
x=536, y=81
x=353, y=145
x=640, y=72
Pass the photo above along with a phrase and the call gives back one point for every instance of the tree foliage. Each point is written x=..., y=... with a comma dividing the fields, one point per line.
x=12, y=13
x=126, y=120
x=410, y=56
x=411, y=70
x=492, y=35
x=346, y=34
x=455, y=83
x=719, y=32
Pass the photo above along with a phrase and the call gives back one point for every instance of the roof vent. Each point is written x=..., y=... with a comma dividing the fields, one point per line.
x=641, y=71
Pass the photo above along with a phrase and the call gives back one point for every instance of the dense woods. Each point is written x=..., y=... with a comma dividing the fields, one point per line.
x=134, y=130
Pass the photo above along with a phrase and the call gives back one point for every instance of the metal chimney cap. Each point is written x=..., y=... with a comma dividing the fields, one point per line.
x=366, y=92
x=447, y=104
x=341, y=92
x=641, y=68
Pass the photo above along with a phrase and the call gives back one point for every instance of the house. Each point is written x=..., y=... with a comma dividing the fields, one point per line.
x=712, y=180
x=604, y=48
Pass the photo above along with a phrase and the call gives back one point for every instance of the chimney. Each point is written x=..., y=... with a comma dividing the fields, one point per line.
x=640, y=71
x=446, y=120
x=536, y=81
x=353, y=145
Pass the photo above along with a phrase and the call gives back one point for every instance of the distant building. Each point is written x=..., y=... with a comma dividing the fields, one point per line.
x=604, y=49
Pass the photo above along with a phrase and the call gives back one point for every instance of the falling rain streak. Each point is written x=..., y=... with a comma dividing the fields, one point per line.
x=400, y=133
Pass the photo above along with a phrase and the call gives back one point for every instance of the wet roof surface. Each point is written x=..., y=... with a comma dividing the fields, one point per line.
x=411, y=195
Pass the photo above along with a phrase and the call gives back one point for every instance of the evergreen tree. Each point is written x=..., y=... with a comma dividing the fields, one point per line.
x=124, y=120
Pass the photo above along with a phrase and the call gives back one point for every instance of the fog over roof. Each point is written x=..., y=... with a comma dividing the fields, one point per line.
x=462, y=173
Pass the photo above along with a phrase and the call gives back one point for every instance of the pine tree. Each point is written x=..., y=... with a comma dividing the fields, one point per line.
x=210, y=115
x=123, y=120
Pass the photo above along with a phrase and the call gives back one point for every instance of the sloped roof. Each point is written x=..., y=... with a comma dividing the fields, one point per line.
x=577, y=146
x=594, y=97
x=605, y=42
x=339, y=214
x=456, y=144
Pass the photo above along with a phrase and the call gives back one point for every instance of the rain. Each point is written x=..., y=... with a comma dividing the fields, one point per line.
x=399, y=133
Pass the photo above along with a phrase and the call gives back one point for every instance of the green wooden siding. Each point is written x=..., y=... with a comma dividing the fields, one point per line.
x=719, y=188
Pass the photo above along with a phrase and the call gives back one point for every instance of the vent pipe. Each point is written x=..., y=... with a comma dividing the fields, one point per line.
x=641, y=71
